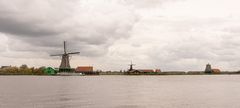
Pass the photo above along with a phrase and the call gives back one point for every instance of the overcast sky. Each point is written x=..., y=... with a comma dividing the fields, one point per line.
x=166, y=34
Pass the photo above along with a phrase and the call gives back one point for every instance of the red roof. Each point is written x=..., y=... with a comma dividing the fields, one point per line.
x=84, y=69
x=216, y=70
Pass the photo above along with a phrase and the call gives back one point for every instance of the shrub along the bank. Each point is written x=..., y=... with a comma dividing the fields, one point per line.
x=22, y=70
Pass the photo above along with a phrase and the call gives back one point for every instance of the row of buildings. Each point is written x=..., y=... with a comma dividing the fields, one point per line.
x=208, y=70
x=65, y=66
x=89, y=70
x=84, y=70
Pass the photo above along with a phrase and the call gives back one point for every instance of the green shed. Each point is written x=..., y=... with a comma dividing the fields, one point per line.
x=49, y=71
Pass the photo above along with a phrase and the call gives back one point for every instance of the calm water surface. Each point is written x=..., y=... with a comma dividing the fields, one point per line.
x=199, y=91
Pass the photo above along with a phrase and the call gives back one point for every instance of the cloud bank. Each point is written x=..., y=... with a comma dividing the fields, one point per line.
x=91, y=25
x=166, y=34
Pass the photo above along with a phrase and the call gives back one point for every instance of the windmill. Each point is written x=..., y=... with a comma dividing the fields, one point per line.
x=131, y=66
x=65, y=66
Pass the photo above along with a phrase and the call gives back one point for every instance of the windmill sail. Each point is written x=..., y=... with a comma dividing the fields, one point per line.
x=74, y=53
x=64, y=47
x=56, y=55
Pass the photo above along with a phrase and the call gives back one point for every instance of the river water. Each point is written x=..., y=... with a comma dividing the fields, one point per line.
x=183, y=91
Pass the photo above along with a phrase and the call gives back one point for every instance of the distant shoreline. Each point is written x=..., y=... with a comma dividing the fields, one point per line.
x=132, y=74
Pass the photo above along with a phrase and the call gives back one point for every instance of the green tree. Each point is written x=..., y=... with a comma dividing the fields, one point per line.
x=25, y=70
x=39, y=71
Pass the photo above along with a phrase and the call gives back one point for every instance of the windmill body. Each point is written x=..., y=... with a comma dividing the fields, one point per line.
x=65, y=65
x=65, y=61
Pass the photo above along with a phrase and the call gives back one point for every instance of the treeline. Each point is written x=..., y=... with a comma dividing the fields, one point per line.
x=22, y=70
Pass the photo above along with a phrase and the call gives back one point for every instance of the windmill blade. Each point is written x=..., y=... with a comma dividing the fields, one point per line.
x=74, y=53
x=56, y=55
x=64, y=47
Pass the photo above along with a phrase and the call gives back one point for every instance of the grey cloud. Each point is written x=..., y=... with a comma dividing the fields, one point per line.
x=93, y=30
x=13, y=26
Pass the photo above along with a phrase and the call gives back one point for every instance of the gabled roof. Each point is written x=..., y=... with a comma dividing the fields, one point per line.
x=84, y=68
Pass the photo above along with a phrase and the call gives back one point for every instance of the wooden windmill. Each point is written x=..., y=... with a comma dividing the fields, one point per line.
x=65, y=65
x=131, y=66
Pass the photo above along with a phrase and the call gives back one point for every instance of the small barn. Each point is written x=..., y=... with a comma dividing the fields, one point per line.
x=86, y=70
x=141, y=72
x=216, y=71
x=49, y=71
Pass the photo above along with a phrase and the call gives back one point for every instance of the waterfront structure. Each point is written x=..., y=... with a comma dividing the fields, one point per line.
x=216, y=71
x=65, y=65
x=84, y=69
x=142, y=72
x=131, y=66
x=132, y=71
x=49, y=71
x=208, y=68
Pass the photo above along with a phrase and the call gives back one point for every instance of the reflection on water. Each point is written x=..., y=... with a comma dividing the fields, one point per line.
x=198, y=91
